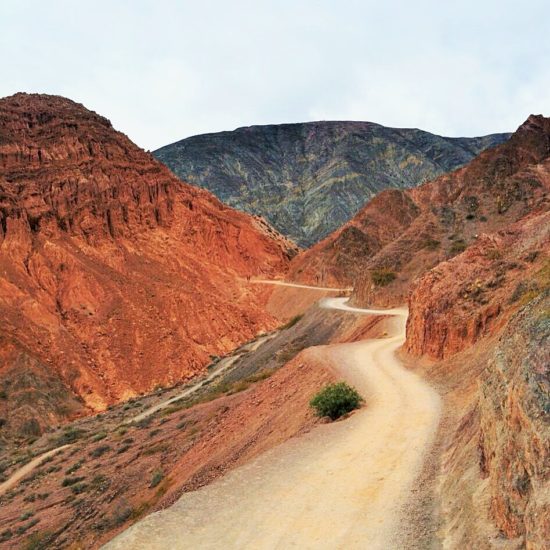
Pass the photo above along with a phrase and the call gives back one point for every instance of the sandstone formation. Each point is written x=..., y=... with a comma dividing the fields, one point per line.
x=115, y=276
x=483, y=315
x=308, y=179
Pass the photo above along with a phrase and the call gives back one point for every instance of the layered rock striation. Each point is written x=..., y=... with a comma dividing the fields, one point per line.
x=308, y=179
x=115, y=277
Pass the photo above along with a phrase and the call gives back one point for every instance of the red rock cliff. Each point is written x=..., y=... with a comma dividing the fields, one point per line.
x=114, y=276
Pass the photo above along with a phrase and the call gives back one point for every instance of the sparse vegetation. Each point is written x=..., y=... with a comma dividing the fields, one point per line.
x=292, y=322
x=121, y=513
x=383, y=276
x=160, y=447
x=70, y=435
x=123, y=449
x=336, y=400
x=71, y=481
x=100, y=482
x=99, y=436
x=458, y=246
x=75, y=467
x=158, y=476
x=23, y=528
x=430, y=244
x=100, y=451
x=38, y=541
x=144, y=422
x=493, y=254
x=78, y=488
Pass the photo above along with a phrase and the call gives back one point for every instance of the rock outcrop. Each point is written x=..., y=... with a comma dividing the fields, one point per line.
x=400, y=235
x=115, y=276
x=472, y=295
x=308, y=179
x=514, y=410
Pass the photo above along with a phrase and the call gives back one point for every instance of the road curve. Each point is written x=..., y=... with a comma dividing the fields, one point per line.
x=28, y=468
x=343, y=485
x=297, y=285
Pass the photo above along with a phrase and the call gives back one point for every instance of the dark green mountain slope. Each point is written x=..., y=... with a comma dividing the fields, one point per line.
x=308, y=179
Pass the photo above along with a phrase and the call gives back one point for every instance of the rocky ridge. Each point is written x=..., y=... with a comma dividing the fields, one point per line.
x=115, y=277
x=308, y=179
x=401, y=234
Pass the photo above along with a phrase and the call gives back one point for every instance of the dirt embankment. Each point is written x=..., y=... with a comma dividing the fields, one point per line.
x=344, y=485
x=486, y=314
x=113, y=474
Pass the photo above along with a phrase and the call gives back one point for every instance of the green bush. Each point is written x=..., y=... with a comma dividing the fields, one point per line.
x=71, y=481
x=99, y=451
x=383, y=276
x=158, y=476
x=336, y=400
x=458, y=246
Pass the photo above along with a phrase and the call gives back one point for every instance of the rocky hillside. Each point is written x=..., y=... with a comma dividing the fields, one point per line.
x=485, y=317
x=309, y=179
x=401, y=234
x=470, y=253
x=115, y=277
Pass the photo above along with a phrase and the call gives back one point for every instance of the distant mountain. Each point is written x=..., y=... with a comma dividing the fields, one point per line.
x=401, y=234
x=308, y=179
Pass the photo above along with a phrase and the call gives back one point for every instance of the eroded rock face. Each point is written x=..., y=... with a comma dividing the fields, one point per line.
x=403, y=234
x=464, y=299
x=115, y=276
x=514, y=406
x=309, y=179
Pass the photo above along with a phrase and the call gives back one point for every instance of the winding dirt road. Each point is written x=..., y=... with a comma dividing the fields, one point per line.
x=28, y=468
x=343, y=485
x=297, y=285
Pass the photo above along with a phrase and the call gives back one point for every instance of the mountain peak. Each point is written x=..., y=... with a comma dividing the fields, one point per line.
x=309, y=178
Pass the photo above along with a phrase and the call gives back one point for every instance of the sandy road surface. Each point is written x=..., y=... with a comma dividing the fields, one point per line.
x=297, y=285
x=27, y=469
x=343, y=485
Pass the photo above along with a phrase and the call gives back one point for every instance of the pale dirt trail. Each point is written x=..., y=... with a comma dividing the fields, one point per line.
x=343, y=485
x=27, y=469
x=222, y=366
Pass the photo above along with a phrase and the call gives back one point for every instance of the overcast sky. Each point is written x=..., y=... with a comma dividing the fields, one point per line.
x=162, y=70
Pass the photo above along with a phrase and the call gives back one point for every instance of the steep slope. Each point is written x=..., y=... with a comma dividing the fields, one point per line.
x=484, y=316
x=308, y=179
x=114, y=276
x=401, y=234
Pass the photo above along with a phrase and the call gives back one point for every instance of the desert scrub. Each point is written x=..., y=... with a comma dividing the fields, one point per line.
x=99, y=436
x=336, y=400
x=99, y=451
x=430, y=244
x=292, y=322
x=75, y=467
x=71, y=481
x=79, y=488
x=458, y=246
x=70, y=435
x=158, y=476
x=383, y=276
x=38, y=540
